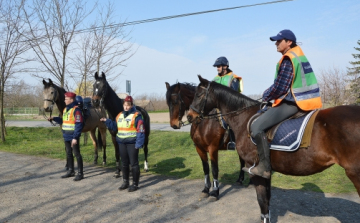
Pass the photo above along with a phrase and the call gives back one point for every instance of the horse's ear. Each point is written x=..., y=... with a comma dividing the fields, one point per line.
x=96, y=75
x=50, y=81
x=44, y=82
x=167, y=85
x=103, y=75
x=203, y=80
x=179, y=85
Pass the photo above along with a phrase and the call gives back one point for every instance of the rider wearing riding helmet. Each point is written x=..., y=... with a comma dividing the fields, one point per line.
x=228, y=78
x=295, y=88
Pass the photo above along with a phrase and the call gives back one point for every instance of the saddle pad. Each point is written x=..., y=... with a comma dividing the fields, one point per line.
x=288, y=136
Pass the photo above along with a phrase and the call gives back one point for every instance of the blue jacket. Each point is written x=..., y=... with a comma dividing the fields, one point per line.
x=79, y=123
x=139, y=123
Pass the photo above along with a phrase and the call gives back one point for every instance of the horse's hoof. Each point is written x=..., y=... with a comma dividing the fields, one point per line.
x=104, y=163
x=117, y=174
x=146, y=170
x=95, y=162
x=204, y=195
x=239, y=182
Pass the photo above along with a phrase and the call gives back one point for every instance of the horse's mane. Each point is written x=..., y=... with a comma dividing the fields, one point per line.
x=113, y=104
x=187, y=90
x=234, y=100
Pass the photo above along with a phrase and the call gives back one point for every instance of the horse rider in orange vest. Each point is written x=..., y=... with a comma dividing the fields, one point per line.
x=295, y=88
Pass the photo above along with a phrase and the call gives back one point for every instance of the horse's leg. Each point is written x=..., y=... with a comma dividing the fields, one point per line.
x=214, y=194
x=263, y=192
x=146, y=168
x=117, y=156
x=354, y=176
x=241, y=175
x=206, y=169
x=93, y=138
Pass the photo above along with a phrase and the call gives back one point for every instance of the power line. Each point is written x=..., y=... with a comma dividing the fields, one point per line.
x=181, y=15
x=137, y=22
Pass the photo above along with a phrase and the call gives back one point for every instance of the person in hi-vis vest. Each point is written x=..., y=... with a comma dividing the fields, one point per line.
x=72, y=124
x=226, y=77
x=130, y=137
x=295, y=88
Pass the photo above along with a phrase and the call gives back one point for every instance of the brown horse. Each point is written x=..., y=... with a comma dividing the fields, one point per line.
x=208, y=135
x=335, y=138
x=54, y=94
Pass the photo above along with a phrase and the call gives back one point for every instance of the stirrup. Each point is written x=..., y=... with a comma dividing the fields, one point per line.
x=231, y=146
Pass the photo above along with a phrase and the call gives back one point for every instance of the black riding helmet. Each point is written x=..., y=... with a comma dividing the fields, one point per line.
x=221, y=61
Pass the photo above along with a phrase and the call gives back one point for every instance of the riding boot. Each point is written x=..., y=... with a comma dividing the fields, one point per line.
x=125, y=175
x=80, y=174
x=231, y=144
x=136, y=176
x=263, y=169
x=70, y=172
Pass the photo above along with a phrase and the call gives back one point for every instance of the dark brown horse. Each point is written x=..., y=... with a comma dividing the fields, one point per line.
x=54, y=94
x=208, y=135
x=335, y=138
x=105, y=96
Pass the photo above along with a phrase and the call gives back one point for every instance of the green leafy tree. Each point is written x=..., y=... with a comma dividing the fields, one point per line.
x=354, y=74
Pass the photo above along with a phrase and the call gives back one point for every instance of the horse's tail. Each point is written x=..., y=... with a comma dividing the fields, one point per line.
x=99, y=140
x=146, y=119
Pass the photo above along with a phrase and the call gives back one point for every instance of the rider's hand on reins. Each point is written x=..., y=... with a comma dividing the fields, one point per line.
x=50, y=119
x=103, y=120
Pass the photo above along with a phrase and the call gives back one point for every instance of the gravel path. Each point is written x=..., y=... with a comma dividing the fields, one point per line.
x=31, y=190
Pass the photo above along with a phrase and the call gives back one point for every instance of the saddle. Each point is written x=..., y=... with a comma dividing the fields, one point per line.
x=306, y=137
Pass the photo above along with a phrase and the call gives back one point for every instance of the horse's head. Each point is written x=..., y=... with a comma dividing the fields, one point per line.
x=50, y=94
x=99, y=90
x=203, y=102
x=176, y=104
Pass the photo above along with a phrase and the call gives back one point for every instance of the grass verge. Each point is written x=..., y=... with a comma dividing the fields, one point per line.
x=170, y=154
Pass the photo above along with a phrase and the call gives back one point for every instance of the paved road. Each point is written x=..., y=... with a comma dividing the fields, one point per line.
x=31, y=190
x=153, y=126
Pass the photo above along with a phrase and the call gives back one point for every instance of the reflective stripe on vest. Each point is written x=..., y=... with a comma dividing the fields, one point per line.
x=69, y=119
x=126, y=126
x=227, y=79
x=304, y=86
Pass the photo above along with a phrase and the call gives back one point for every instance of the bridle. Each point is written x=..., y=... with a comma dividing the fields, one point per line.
x=101, y=94
x=201, y=113
x=181, y=103
x=51, y=106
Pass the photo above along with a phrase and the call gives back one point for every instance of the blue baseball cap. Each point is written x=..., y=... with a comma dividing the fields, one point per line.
x=284, y=34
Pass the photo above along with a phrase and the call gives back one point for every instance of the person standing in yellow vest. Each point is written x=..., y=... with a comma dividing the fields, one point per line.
x=295, y=88
x=72, y=124
x=130, y=136
x=228, y=78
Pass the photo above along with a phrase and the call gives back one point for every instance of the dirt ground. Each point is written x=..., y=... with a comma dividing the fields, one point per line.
x=31, y=190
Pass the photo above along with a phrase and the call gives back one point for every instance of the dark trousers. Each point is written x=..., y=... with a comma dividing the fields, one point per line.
x=69, y=155
x=129, y=155
x=273, y=116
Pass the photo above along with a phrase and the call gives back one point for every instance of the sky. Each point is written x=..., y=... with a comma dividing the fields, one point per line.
x=179, y=49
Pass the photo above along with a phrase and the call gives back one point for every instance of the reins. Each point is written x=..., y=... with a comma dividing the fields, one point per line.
x=213, y=116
